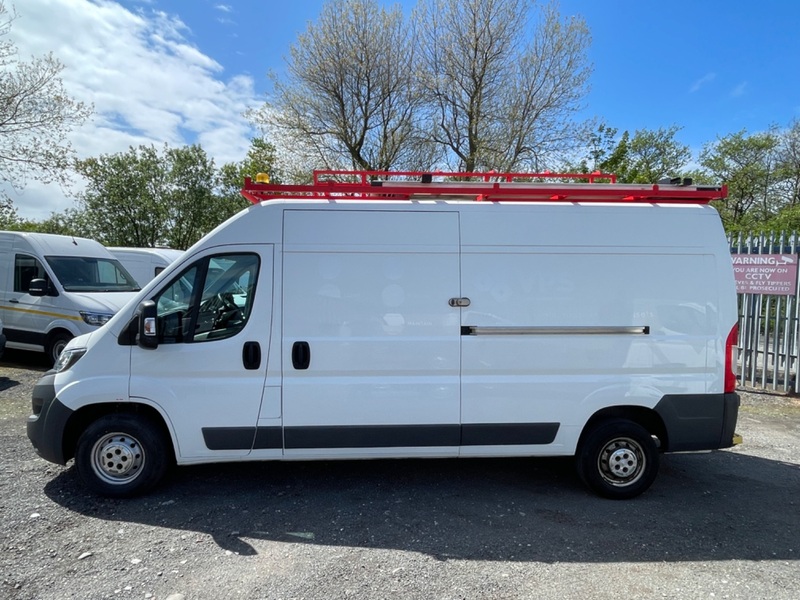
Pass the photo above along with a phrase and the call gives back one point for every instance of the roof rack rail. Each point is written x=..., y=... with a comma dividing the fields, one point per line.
x=486, y=186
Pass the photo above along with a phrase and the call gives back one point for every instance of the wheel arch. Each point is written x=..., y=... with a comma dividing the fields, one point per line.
x=83, y=417
x=646, y=417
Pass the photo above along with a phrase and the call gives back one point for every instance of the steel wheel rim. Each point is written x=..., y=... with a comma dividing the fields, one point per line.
x=622, y=462
x=117, y=458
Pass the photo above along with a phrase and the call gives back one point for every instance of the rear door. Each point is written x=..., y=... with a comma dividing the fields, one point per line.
x=371, y=346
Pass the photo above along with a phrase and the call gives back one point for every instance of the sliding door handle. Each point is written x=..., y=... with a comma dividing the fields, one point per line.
x=301, y=355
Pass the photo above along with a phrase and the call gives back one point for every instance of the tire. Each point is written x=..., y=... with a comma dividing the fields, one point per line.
x=618, y=459
x=122, y=455
x=55, y=345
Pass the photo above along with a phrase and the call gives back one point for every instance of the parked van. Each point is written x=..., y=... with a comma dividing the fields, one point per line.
x=392, y=320
x=145, y=263
x=55, y=287
x=2, y=340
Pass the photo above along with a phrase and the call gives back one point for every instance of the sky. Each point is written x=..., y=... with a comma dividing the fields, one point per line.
x=185, y=71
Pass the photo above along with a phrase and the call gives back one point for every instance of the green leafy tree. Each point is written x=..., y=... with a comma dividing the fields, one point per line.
x=646, y=157
x=603, y=152
x=36, y=114
x=261, y=158
x=748, y=165
x=124, y=200
x=190, y=203
x=145, y=197
x=652, y=155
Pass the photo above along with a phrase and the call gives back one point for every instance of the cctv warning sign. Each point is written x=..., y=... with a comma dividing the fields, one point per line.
x=774, y=274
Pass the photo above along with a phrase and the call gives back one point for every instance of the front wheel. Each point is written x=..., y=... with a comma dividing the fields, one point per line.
x=122, y=455
x=618, y=459
x=56, y=344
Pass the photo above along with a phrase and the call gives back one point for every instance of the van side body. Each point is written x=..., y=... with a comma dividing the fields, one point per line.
x=84, y=285
x=318, y=330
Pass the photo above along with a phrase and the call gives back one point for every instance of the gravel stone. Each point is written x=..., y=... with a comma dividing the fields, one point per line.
x=718, y=524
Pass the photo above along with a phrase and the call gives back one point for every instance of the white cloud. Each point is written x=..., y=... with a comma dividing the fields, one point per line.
x=707, y=78
x=739, y=90
x=148, y=84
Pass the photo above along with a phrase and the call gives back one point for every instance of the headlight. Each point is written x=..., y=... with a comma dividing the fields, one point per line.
x=68, y=358
x=96, y=318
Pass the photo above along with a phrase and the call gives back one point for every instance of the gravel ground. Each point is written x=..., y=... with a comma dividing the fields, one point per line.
x=716, y=525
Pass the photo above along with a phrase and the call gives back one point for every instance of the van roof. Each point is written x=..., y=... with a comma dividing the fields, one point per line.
x=49, y=244
x=168, y=254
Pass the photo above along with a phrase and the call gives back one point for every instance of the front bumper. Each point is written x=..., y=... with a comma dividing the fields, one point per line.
x=48, y=423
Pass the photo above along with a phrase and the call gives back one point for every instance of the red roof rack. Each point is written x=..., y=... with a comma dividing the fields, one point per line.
x=488, y=187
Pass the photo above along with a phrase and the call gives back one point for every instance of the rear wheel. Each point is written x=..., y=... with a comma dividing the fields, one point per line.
x=122, y=455
x=618, y=459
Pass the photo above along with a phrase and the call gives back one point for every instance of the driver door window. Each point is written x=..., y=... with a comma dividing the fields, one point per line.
x=211, y=300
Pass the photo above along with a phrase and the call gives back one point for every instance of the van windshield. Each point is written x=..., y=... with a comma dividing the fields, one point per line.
x=91, y=274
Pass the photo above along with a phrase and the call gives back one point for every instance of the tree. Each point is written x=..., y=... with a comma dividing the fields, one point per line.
x=603, y=153
x=261, y=158
x=788, y=165
x=747, y=164
x=36, y=114
x=145, y=198
x=646, y=157
x=190, y=203
x=502, y=80
x=123, y=200
x=652, y=155
x=349, y=95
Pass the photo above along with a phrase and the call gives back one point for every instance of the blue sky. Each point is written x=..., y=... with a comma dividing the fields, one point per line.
x=180, y=71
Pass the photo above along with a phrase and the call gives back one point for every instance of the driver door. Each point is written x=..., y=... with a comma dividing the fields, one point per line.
x=208, y=372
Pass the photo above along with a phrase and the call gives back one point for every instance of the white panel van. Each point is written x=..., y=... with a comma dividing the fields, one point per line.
x=145, y=263
x=589, y=320
x=55, y=287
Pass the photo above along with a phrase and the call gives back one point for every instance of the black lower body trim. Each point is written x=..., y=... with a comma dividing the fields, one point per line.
x=699, y=421
x=379, y=436
x=508, y=434
x=373, y=436
x=20, y=336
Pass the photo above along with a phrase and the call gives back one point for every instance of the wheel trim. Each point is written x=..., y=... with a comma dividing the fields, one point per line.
x=622, y=462
x=117, y=458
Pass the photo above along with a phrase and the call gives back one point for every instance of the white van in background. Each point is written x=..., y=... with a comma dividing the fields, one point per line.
x=145, y=263
x=434, y=319
x=55, y=287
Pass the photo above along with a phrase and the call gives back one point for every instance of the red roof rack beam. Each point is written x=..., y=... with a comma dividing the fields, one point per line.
x=486, y=187
x=365, y=177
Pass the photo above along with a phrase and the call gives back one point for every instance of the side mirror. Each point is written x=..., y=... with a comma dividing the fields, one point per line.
x=147, y=337
x=42, y=287
x=37, y=287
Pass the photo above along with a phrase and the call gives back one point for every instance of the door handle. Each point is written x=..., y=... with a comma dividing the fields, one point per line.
x=14, y=301
x=251, y=355
x=301, y=355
